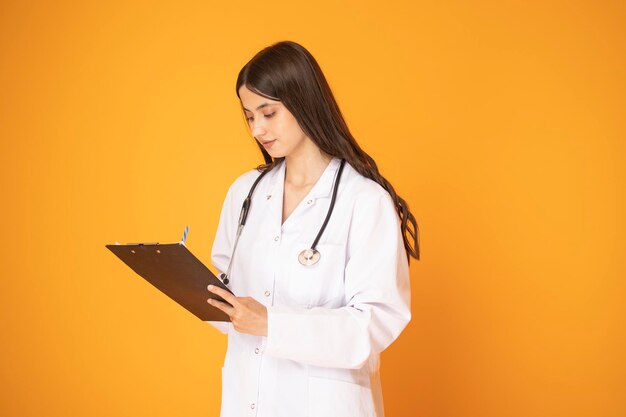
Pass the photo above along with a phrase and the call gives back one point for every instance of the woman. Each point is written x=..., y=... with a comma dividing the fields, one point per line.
x=307, y=327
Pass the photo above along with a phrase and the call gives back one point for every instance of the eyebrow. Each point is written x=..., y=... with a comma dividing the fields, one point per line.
x=261, y=106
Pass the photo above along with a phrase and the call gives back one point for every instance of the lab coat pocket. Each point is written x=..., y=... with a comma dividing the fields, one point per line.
x=334, y=398
x=320, y=284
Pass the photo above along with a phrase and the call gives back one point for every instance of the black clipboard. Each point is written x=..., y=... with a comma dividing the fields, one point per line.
x=177, y=273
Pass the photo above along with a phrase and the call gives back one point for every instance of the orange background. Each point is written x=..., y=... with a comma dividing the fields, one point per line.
x=501, y=123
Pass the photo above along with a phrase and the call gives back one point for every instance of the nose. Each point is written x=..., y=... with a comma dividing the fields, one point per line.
x=257, y=129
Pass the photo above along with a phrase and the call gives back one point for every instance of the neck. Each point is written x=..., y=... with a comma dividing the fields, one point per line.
x=306, y=168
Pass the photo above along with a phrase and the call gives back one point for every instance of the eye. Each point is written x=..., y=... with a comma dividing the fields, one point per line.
x=270, y=115
x=249, y=119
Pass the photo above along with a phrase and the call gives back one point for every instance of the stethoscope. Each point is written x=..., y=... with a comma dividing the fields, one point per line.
x=307, y=257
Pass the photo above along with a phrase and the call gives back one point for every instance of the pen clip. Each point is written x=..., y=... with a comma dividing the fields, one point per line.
x=184, y=239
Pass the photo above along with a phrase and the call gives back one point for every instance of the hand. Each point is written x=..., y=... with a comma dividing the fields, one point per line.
x=247, y=314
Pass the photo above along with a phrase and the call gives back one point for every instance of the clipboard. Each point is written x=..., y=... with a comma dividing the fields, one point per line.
x=177, y=273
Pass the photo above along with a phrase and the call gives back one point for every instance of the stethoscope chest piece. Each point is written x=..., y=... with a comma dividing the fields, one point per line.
x=309, y=257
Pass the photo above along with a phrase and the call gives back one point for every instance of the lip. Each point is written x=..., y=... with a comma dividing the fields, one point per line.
x=268, y=144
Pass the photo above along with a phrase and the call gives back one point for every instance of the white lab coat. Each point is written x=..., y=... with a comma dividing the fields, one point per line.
x=327, y=323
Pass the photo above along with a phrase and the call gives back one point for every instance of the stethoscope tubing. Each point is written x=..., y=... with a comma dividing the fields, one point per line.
x=243, y=215
x=331, y=207
x=306, y=257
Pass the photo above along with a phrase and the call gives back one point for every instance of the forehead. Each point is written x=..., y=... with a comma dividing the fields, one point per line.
x=252, y=101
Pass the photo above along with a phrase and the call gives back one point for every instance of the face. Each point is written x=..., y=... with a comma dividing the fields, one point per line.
x=272, y=125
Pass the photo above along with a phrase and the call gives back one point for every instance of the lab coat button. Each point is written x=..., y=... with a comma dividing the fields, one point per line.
x=252, y=406
x=309, y=202
x=276, y=238
x=256, y=350
x=267, y=293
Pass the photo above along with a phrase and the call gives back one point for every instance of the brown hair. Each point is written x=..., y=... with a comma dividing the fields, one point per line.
x=287, y=72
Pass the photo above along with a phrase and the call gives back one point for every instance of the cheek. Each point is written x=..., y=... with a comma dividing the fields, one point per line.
x=293, y=129
x=289, y=123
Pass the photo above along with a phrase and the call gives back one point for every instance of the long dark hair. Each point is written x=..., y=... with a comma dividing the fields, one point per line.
x=287, y=72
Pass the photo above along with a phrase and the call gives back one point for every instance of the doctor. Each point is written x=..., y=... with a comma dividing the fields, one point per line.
x=312, y=311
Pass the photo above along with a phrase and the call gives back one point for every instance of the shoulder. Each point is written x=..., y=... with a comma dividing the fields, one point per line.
x=244, y=181
x=363, y=190
x=374, y=224
x=241, y=186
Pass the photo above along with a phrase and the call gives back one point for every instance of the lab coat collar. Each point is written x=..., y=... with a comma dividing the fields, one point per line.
x=322, y=188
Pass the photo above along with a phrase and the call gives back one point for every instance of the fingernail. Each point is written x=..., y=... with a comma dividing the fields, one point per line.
x=210, y=286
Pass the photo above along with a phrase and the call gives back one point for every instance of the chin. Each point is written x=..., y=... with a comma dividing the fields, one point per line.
x=275, y=154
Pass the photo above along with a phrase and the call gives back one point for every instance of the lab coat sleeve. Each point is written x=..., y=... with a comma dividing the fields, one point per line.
x=222, y=245
x=377, y=291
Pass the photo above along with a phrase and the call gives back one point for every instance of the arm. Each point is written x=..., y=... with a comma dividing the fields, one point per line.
x=222, y=246
x=376, y=289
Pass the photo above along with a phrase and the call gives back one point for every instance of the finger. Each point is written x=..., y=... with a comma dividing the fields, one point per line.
x=222, y=306
x=224, y=294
